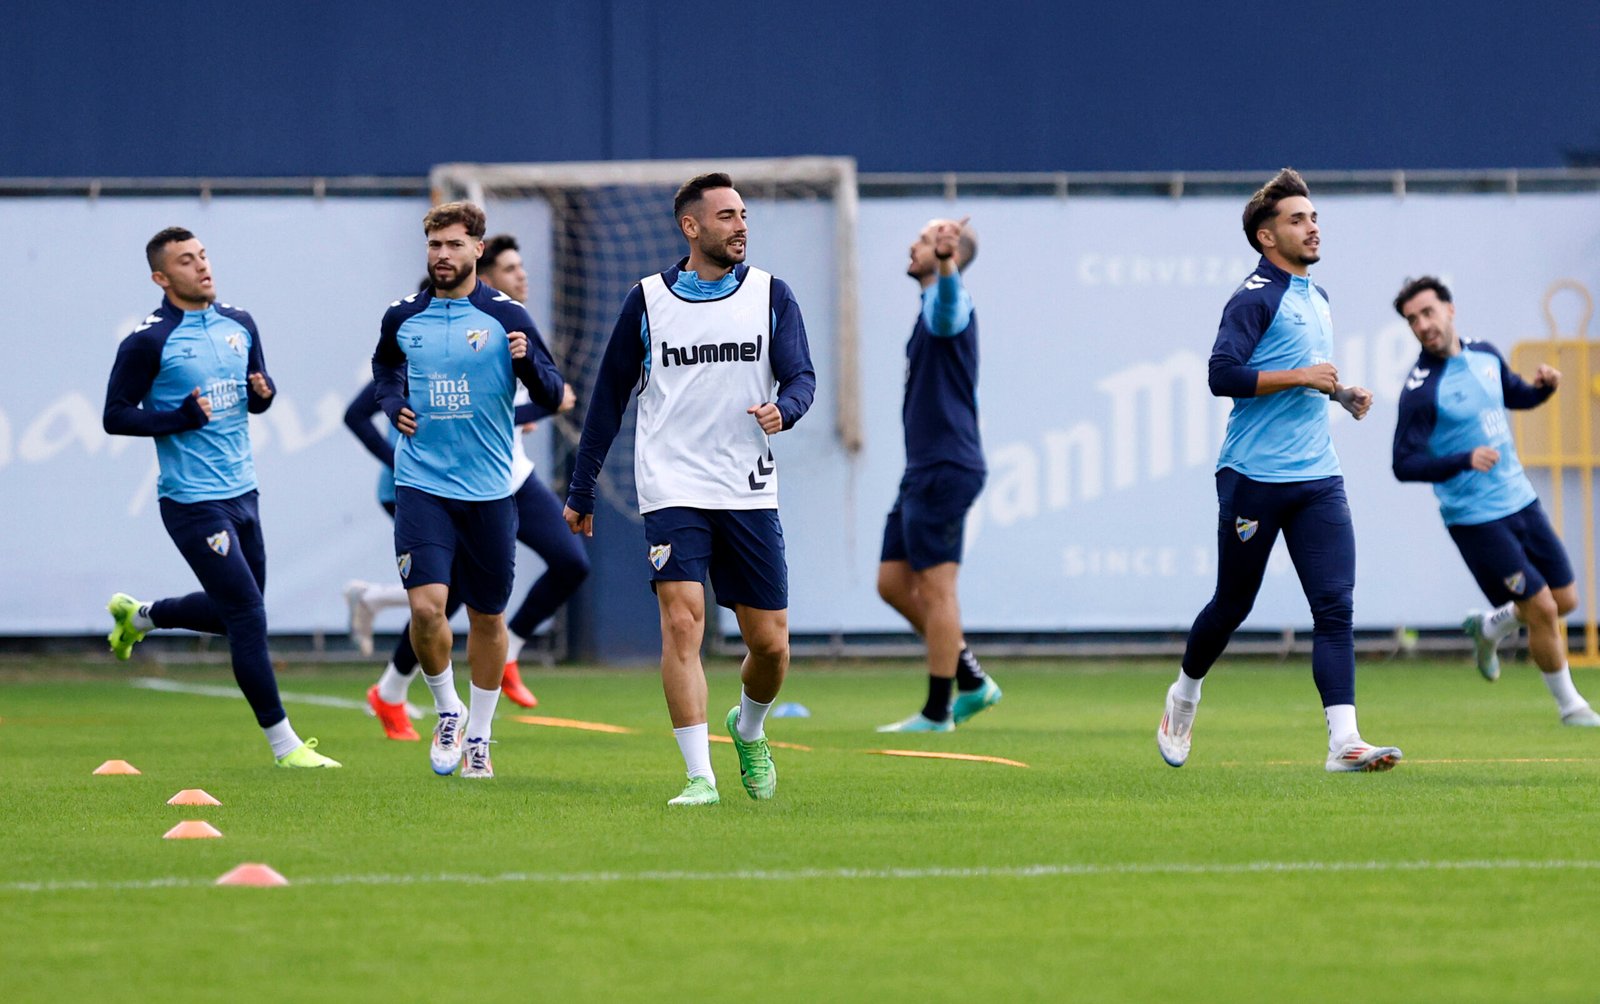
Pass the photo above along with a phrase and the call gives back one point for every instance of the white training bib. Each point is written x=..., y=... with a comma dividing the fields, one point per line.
x=709, y=361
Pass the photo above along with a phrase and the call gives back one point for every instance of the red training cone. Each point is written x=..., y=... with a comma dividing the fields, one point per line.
x=116, y=767
x=192, y=796
x=191, y=829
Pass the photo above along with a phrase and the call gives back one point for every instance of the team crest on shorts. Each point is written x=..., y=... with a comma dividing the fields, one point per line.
x=220, y=542
x=236, y=343
x=1516, y=583
x=659, y=554
x=1245, y=528
x=404, y=561
x=477, y=339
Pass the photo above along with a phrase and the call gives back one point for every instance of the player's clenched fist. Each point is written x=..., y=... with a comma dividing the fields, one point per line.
x=578, y=522
x=203, y=401
x=406, y=422
x=519, y=344
x=768, y=417
x=260, y=385
x=1323, y=377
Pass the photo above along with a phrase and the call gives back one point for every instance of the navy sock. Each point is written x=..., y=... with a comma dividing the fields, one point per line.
x=938, y=707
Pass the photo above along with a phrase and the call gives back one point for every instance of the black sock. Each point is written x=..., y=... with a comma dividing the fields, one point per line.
x=969, y=675
x=938, y=707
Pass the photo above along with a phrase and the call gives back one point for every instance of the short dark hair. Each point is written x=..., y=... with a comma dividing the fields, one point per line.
x=155, y=248
x=494, y=247
x=694, y=190
x=451, y=213
x=1263, y=205
x=1421, y=285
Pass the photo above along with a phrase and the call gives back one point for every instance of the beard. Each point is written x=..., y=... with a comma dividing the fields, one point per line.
x=458, y=277
x=720, y=255
x=197, y=293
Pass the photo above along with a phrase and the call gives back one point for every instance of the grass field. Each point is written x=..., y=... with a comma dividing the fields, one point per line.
x=1095, y=873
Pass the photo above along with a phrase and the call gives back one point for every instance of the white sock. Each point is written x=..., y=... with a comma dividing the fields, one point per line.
x=1341, y=725
x=514, y=643
x=695, y=745
x=481, y=720
x=1567, y=697
x=282, y=738
x=1188, y=687
x=141, y=618
x=445, y=699
x=1501, y=622
x=393, y=685
x=384, y=597
x=752, y=715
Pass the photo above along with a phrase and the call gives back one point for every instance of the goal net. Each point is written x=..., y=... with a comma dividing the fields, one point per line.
x=610, y=224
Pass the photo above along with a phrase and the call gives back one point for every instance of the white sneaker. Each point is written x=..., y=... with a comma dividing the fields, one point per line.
x=476, y=761
x=448, y=739
x=1583, y=717
x=1175, y=732
x=1357, y=755
x=1483, y=646
x=361, y=615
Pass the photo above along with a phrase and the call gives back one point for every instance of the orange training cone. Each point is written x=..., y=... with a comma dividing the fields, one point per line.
x=252, y=874
x=116, y=767
x=191, y=829
x=192, y=796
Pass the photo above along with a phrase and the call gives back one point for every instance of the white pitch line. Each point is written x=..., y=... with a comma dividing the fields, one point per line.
x=215, y=690
x=844, y=874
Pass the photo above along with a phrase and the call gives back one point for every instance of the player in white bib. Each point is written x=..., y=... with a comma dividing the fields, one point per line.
x=705, y=343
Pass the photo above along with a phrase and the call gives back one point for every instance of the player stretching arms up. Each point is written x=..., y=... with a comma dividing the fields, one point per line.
x=1453, y=431
x=446, y=365
x=704, y=342
x=1278, y=473
x=190, y=375
x=922, y=539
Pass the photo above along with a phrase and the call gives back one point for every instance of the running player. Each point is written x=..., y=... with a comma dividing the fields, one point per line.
x=445, y=366
x=1278, y=473
x=705, y=341
x=189, y=376
x=1454, y=432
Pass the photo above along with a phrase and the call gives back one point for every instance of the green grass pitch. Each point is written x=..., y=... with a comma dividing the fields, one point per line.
x=1469, y=873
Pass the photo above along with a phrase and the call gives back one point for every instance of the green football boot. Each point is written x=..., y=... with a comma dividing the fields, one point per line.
x=756, y=769
x=971, y=702
x=306, y=755
x=123, y=634
x=698, y=791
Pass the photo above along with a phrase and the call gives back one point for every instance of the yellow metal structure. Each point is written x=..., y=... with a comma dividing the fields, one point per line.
x=1562, y=439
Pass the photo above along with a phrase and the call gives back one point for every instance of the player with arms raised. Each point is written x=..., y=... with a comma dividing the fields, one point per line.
x=705, y=342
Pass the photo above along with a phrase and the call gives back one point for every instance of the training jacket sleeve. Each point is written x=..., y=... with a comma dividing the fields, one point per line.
x=389, y=367
x=620, y=370
x=1519, y=394
x=1413, y=461
x=138, y=361
x=358, y=419
x=791, y=356
x=1244, y=320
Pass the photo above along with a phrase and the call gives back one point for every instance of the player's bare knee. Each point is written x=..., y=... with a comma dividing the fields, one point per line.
x=1566, y=599
x=1538, y=610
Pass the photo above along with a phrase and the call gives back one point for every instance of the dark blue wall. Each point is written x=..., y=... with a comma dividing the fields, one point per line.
x=299, y=88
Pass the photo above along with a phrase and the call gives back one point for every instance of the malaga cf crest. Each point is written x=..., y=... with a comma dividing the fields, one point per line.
x=220, y=542
x=1245, y=528
x=659, y=554
x=1516, y=583
x=404, y=561
x=236, y=343
x=477, y=339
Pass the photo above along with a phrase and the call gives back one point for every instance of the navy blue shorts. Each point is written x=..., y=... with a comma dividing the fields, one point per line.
x=928, y=523
x=479, y=539
x=741, y=549
x=1514, y=557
